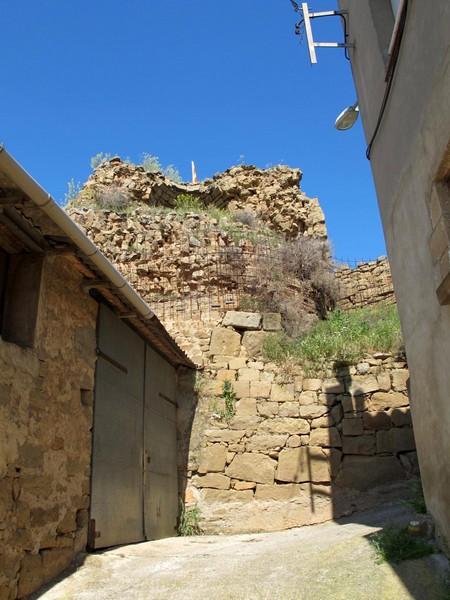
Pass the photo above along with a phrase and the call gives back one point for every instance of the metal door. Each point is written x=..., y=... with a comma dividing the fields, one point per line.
x=160, y=435
x=134, y=486
x=117, y=460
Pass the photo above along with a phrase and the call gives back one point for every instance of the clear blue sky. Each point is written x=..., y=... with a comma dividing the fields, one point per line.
x=185, y=80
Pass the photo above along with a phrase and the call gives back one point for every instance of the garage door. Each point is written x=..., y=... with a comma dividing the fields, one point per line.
x=134, y=488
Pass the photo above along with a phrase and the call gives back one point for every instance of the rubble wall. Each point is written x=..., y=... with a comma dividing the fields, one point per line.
x=367, y=284
x=46, y=414
x=298, y=450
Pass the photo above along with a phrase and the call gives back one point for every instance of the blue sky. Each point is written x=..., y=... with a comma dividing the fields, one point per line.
x=198, y=80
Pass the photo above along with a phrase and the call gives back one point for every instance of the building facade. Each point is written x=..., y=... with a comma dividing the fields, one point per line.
x=401, y=68
x=91, y=417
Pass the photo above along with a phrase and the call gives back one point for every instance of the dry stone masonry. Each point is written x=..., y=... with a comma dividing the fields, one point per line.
x=368, y=284
x=298, y=450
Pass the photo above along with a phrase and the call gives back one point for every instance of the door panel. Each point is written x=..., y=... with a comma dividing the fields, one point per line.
x=117, y=487
x=160, y=441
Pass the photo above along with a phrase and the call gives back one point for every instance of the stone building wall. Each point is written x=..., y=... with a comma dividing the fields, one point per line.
x=368, y=284
x=299, y=450
x=46, y=397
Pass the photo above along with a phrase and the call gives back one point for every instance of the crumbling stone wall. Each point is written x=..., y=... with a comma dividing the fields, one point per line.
x=273, y=195
x=299, y=450
x=368, y=284
x=46, y=397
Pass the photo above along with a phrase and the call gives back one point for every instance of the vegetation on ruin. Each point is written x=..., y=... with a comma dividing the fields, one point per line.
x=344, y=338
x=189, y=521
x=395, y=544
x=228, y=398
x=418, y=501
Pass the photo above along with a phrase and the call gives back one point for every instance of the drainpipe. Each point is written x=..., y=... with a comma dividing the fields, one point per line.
x=42, y=199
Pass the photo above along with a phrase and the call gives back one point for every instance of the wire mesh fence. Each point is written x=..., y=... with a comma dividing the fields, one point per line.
x=214, y=278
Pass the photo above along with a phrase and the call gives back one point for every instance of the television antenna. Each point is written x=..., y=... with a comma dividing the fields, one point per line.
x=306, y=21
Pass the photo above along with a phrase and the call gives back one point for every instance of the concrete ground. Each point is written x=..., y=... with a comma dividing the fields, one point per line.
x=332, y=561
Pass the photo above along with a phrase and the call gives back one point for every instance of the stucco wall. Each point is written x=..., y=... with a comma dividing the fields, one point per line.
x=46, y=396
x=406, y=156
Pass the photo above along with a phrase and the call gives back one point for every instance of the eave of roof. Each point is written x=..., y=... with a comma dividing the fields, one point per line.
x=46, y=226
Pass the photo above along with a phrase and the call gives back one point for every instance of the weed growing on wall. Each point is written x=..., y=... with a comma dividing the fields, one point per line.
x=189, y=521
x=418, y=502
x=344, y=338
x=394, y=544
x=73, y=189
x=229, y=402
x=112, y=198
x=98, y=159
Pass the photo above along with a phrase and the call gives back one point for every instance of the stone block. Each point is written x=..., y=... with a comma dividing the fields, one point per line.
x=352, y=426
x=31, y=575
x=366, y=472
x=337, y=413
x=326, y=421
x=248, y=375
x=226, y=375
x=353, y=403
x=242, y=320
x=327, y=399
x=333, y=386
x=245, y=423
x=213, y=459
x=252, y=342
x=312, y=385
x=266, y=443
x=277, y=493
x=271, y=321
x=224, y=435
x=246, y=407
x=329, y=437
x=54, y=561
x=267, y=409
x=307, y=463
x=216, y=481
x=384, y=382
x=282, y=392
x=294, y=441
x=260, y=389
x=400, y=416
x=397, y=439
x=308, y=397
x=359, y=385
x=241, y=389
x=237, y=363
x=383, y=401
x=313, y=411
x=362, y=444
x=210, y=496
x=400, y=379
x=378, y=419
x=289, y=409
x=224, y=342
x=252, y=467
x=298, y=384
x=282, y=425
x=244, y=485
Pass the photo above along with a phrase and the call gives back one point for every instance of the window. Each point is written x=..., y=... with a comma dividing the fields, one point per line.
x=20, y=285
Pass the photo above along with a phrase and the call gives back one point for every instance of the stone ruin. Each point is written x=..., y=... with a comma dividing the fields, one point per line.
x=297, y=449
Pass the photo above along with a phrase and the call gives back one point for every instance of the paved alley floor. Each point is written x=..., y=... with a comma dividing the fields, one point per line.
x=332, y=561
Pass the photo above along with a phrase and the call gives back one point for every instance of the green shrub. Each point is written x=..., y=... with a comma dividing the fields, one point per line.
x=112, y=198
x=394, y=544
x=73, y=189
x=344, y=338
x=189, y=521
x=185, y=203
x=98, y=159
x=172, y=173
x=151, y=163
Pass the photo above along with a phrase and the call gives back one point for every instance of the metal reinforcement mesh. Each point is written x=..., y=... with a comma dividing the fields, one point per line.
x=218, y=278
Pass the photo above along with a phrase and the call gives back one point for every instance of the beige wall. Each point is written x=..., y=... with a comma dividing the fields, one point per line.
x=46, y=395
x=406, y=156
